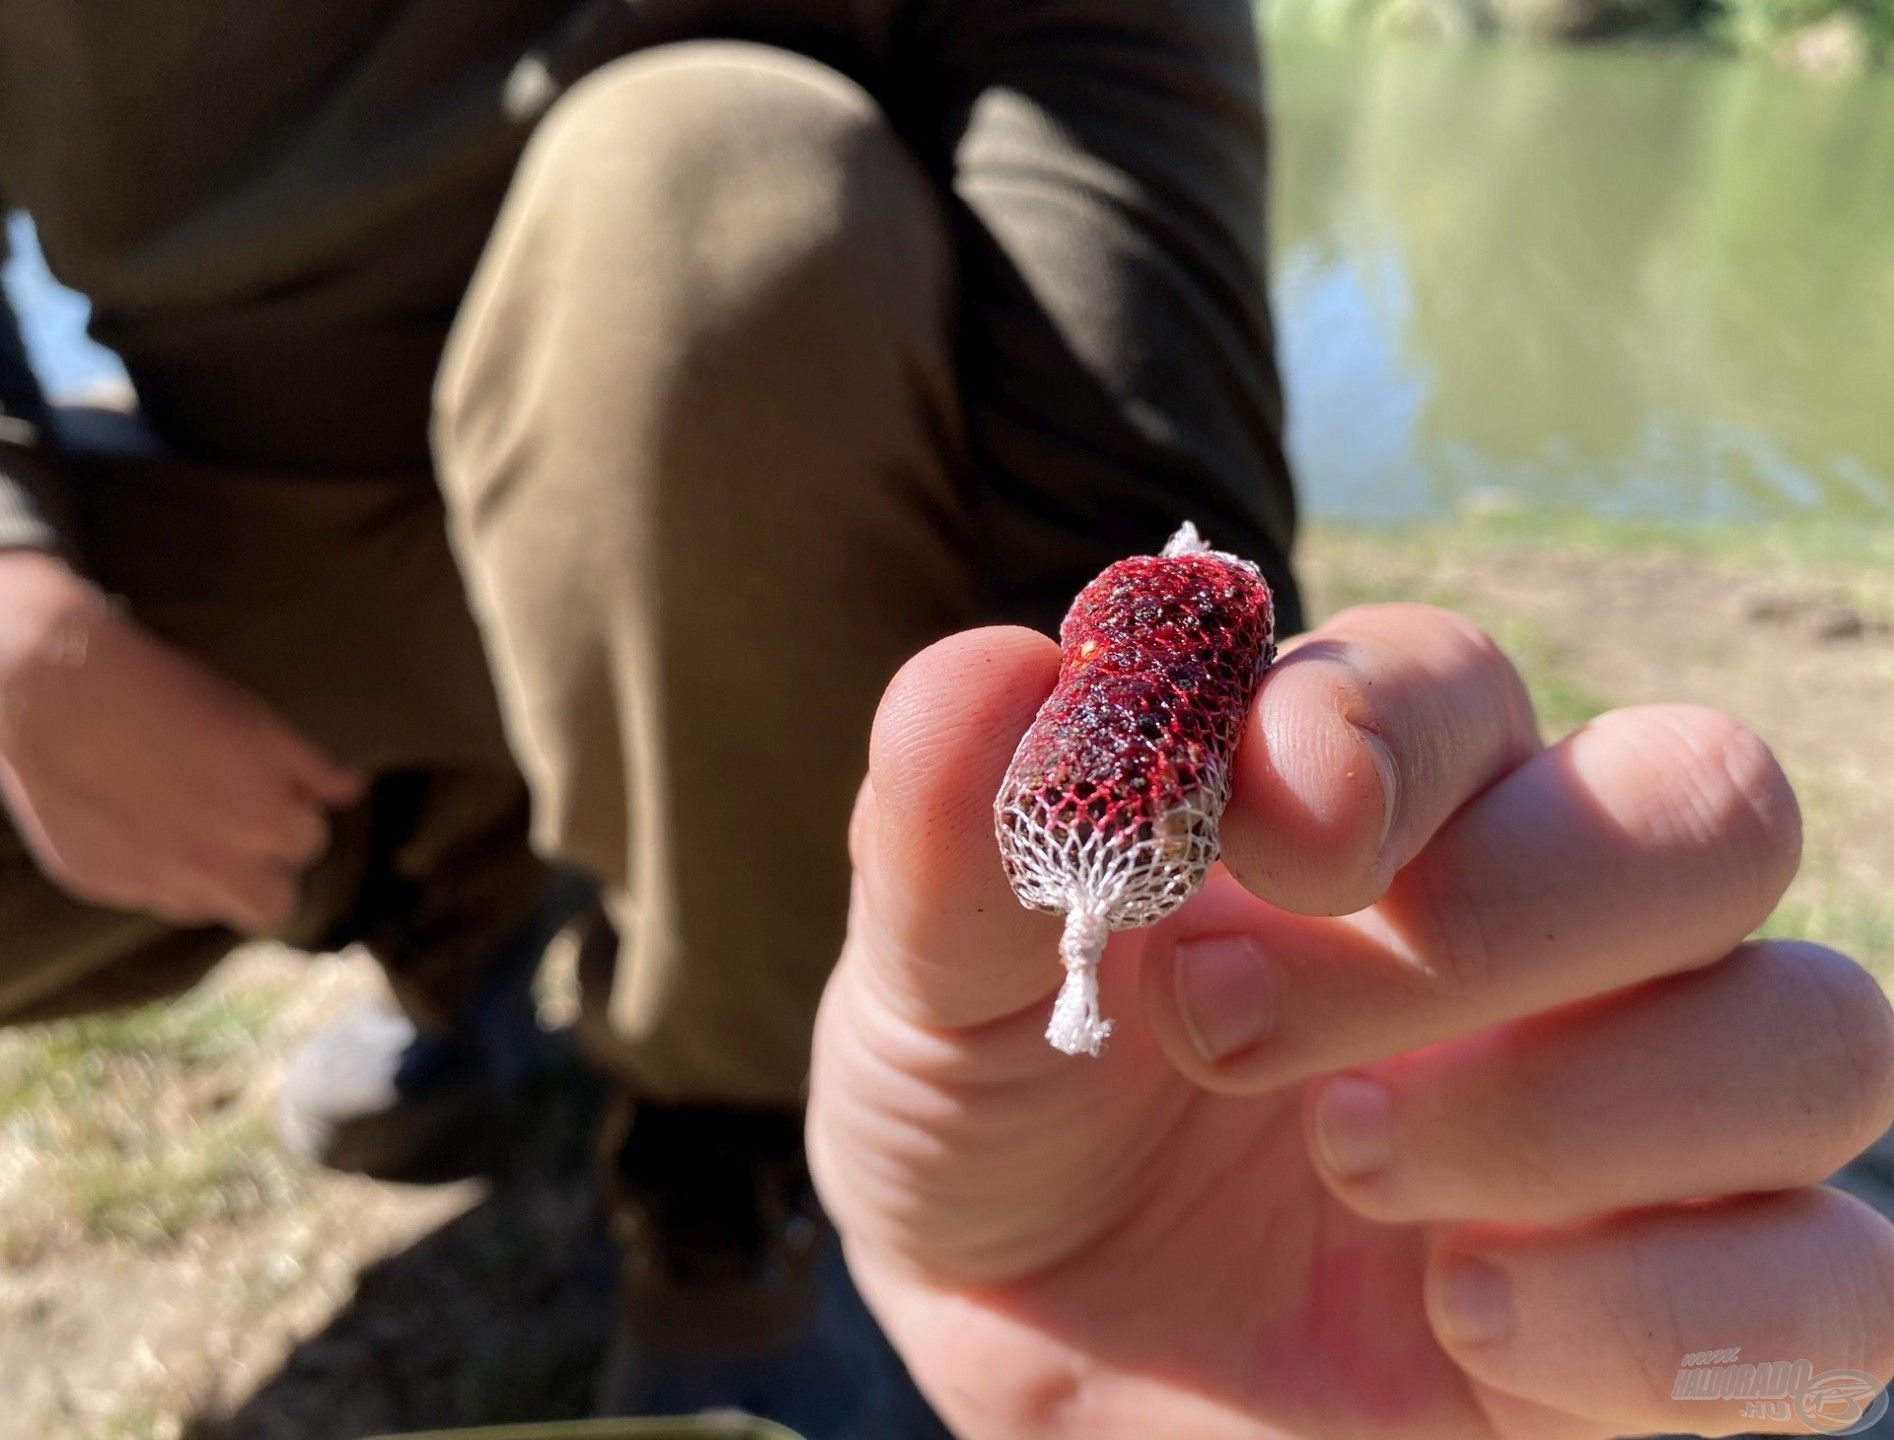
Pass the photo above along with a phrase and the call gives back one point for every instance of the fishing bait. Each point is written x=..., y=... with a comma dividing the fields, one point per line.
x=1109, y=811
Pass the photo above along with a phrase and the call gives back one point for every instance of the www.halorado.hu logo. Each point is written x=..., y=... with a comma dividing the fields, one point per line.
x=1829, y=1402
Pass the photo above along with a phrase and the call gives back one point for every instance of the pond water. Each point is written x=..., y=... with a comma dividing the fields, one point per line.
x=1643, y=282
x=1654, y=283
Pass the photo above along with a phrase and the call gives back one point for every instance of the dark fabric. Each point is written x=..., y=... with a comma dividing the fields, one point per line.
x=275, y=212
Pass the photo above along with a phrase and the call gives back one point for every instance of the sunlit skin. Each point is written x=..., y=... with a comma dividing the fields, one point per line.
x=1606, y=1114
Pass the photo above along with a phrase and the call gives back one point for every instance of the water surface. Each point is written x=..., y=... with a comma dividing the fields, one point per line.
x=1646, y=282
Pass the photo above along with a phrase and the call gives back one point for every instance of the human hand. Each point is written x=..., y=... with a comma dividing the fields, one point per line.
x=1485, y=1156
x=140, y=779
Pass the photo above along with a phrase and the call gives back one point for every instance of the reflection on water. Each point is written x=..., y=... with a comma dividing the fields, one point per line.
x=1642, y=282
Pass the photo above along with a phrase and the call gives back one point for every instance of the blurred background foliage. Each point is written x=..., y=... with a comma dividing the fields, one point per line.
x=1820, y=35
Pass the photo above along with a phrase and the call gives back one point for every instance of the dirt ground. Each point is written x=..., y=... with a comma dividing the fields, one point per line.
x=164, y=1272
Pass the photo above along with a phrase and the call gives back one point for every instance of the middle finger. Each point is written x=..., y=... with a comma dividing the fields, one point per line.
x=1784, y=1053
x=1649, y=842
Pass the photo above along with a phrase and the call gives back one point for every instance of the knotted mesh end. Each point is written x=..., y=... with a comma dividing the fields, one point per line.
x=1076, y=1027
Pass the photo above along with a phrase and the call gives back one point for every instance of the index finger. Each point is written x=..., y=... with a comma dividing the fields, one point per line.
x=310, y=769
x=1363, y=740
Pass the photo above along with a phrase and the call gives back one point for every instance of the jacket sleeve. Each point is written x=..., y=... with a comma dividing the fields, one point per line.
x=34, y=503
x=1109, y=170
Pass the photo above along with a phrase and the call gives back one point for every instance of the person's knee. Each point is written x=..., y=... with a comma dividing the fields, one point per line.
x=704, y=198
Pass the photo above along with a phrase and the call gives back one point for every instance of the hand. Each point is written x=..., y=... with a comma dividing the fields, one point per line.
x=1484, y=1157
x=138, y=778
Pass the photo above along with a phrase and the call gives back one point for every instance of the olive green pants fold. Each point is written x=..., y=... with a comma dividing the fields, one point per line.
x=700, y=485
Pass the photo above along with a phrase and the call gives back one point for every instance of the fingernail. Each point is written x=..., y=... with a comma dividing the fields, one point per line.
x=1354, y=1126
x=1383, y=760
x=1475, y=1301
x=1226, y=993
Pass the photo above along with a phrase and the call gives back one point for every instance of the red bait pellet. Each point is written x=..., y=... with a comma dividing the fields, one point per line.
x=1109, y=812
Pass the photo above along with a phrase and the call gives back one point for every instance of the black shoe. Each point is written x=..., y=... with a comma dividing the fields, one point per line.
x=734, y=1295
x=376, y=1095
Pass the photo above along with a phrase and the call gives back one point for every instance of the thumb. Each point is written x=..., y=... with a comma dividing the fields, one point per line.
x=939, y=1005
x=934, y=915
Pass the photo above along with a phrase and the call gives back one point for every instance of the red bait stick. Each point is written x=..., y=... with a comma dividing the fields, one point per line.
x=1108, y=814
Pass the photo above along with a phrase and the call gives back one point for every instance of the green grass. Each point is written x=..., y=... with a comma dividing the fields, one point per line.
x=1840, y=917
x=135, y=1128
x=141, y=1423
x=1799, y=546
x=1851, y=562
x=147, y=1195
x=200, y=1029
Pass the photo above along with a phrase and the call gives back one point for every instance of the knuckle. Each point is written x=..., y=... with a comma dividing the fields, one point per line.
x=1724, y=786
x=298, y=837
x=1646, y=1268
x=1488, y=660
x=1475, y=640
x=1858, y=1079
x=1496, y=1156
x=182, y=907
x=1525, y=1115
x=1857, y=1266
x=264, y=899
x=1441, y=918
x=1462, y=660
x=202, y=862
x=315, y=843
x=1835, y=1098
x=1472, y=643
x=1491, y=674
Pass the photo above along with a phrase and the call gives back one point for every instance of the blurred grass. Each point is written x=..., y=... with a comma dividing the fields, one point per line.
x=1797, y=548
x=142, y=1423
x=137, y=1127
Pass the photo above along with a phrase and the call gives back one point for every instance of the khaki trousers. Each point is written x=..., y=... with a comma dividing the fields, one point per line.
x=696, y=436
